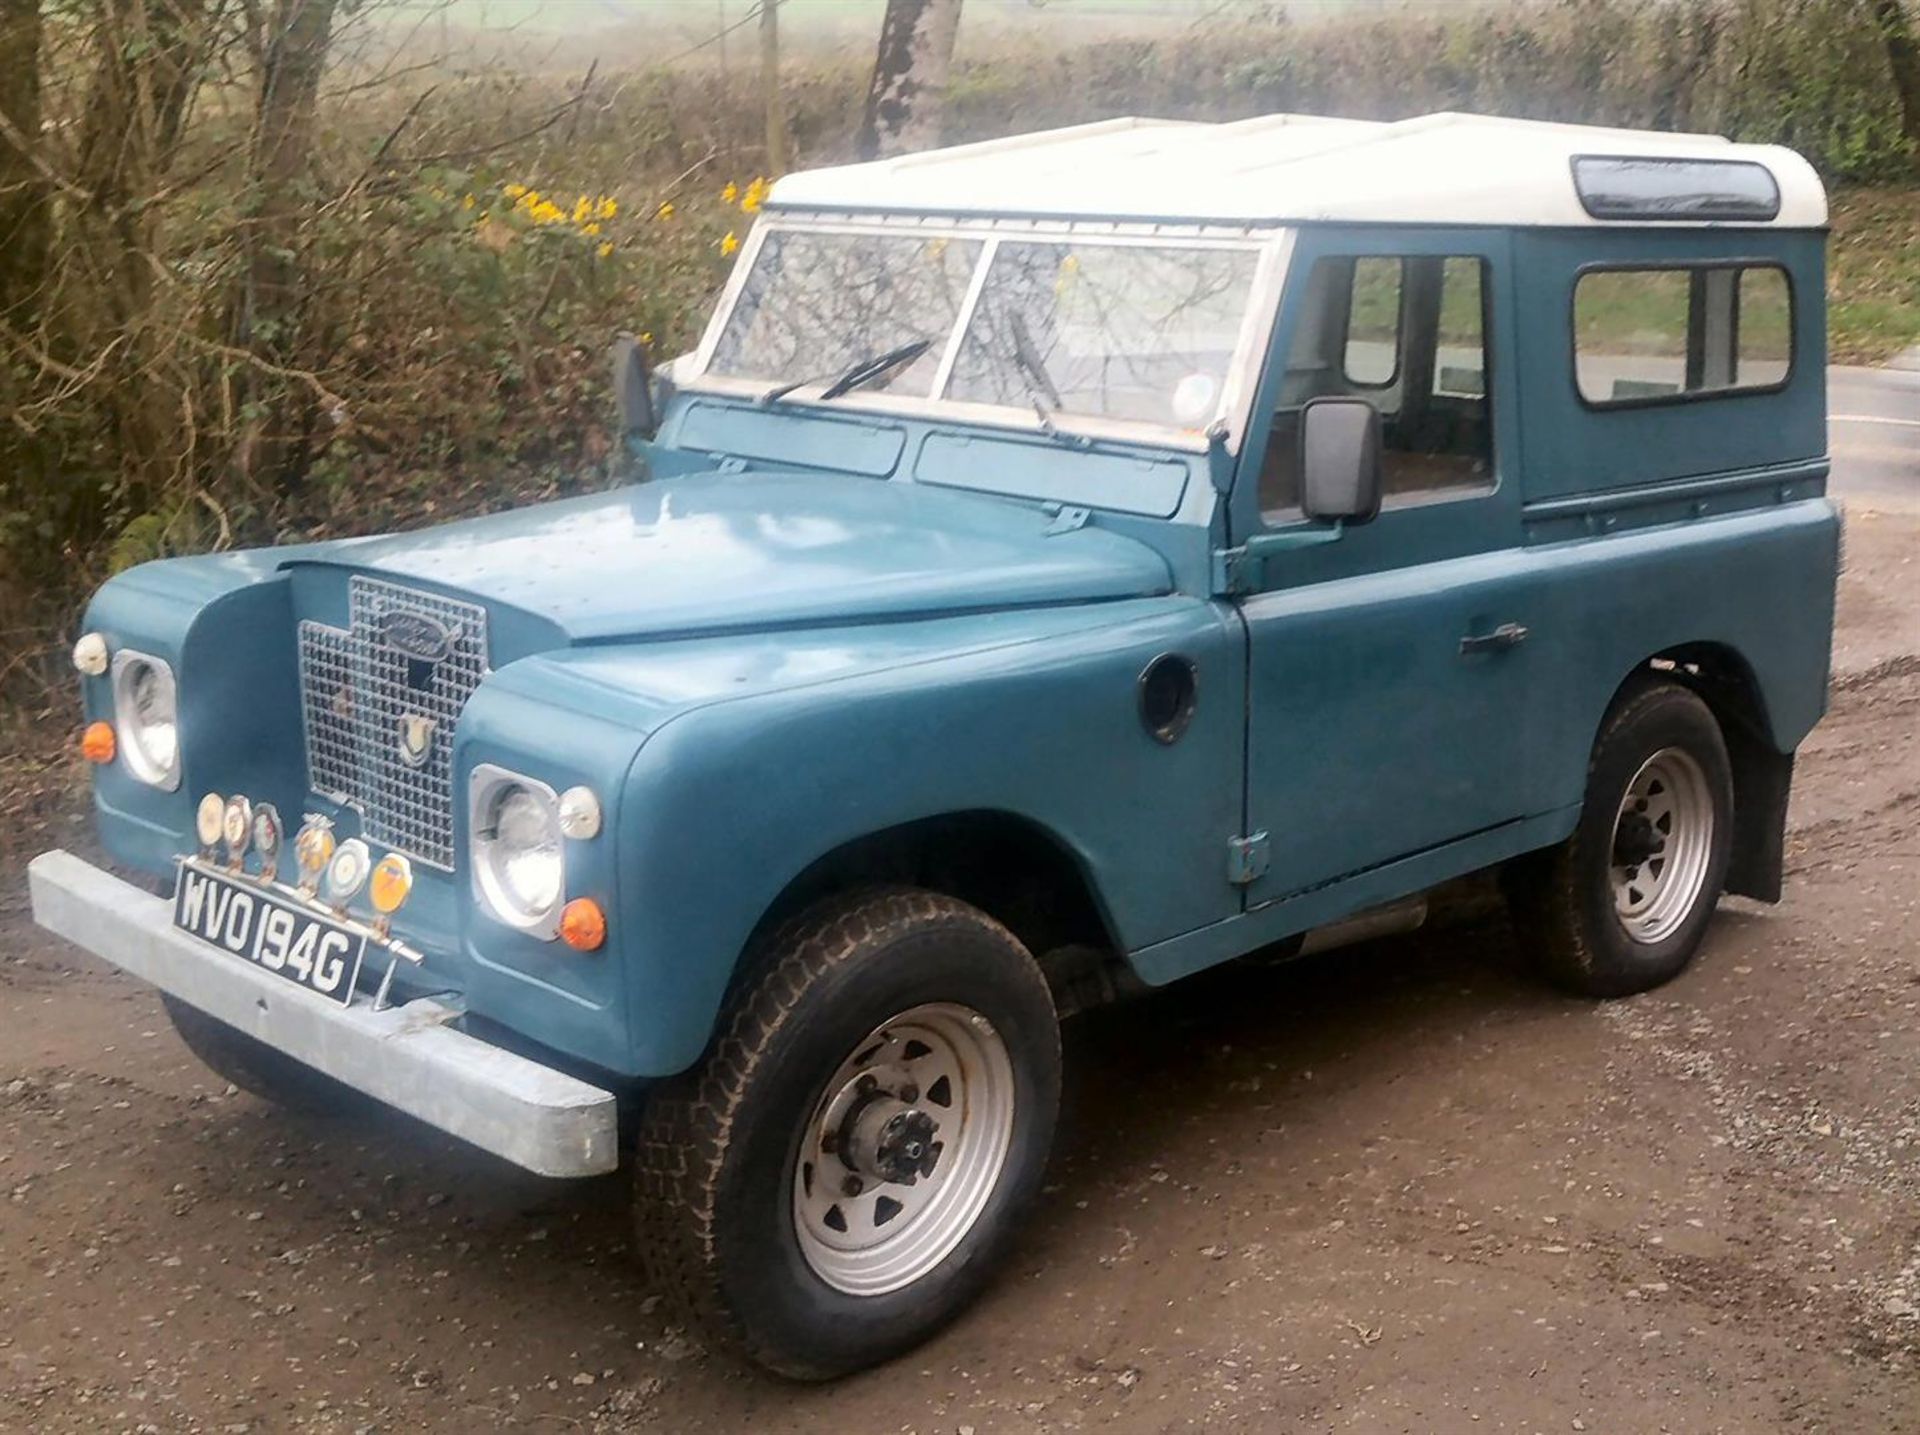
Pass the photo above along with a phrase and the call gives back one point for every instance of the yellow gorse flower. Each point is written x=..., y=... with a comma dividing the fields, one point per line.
x=729, y=244
x=592, y=231
x=607, y=208
x=755, y=196
x=606, y=249
x=665, y=211
x=514, y=191
x=730, y=193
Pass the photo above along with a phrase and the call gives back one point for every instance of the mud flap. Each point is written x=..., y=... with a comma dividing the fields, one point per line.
x=1762, y=780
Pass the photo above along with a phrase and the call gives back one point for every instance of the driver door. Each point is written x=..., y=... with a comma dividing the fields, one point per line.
x=1391, y=667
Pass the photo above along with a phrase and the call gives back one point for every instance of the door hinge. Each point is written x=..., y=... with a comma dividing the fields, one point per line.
x=1247, y=859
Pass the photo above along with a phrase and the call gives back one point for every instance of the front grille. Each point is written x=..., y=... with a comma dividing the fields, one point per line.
x=362, y=698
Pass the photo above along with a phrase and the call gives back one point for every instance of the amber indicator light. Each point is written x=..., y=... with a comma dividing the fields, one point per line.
x=96, y=743
x=583, y=926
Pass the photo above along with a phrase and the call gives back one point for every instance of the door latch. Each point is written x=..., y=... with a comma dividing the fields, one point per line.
x=1507, y=635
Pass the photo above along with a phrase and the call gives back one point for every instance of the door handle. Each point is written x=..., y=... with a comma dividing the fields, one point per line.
x=1507, y=635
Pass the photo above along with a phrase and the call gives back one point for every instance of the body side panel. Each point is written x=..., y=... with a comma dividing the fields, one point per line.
x=730, y=801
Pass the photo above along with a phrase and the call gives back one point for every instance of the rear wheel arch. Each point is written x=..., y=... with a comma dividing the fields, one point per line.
x=1721, y=677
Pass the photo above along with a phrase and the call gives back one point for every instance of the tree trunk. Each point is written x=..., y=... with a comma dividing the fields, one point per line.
x=909, y=89
x=267, y=312
x=280, y=169
x=150, y=55
x=777, y=158
x=23, y=189
x=1903, y=60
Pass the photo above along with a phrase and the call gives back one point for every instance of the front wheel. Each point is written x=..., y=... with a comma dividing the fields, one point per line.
x=1623, y=904
x=838, y=1178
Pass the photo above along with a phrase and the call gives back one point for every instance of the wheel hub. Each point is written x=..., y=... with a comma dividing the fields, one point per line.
x=1636, y=841
x=1662, y=850
x=904, y=1149
x=887, y=1140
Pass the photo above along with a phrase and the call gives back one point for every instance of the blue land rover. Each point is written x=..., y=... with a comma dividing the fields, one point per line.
x=1065, y=564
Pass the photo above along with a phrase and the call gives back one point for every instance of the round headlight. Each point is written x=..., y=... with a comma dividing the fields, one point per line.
x=517, y=860
x=145, y=712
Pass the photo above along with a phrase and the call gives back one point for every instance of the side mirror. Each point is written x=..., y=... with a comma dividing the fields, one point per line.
x=1340, y=460
x=633, y=388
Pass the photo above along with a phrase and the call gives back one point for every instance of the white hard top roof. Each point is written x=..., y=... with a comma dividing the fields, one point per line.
x=1438, y=169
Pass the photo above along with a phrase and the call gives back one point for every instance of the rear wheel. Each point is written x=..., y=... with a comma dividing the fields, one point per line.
x=839, y=1177
x=255, y=1067
x=1624, y=903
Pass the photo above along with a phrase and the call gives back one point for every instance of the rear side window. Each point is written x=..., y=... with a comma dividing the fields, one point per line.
x=1662, y=335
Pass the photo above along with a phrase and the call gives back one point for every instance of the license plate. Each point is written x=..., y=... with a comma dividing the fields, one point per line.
x=259, y=927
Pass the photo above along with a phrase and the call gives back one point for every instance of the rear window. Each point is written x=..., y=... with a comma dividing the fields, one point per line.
x=1670, y=334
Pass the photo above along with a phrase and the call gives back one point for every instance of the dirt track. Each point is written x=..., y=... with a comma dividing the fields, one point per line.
x=1397, y=1188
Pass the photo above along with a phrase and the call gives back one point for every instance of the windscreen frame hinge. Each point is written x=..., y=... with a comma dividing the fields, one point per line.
x=1248, y=858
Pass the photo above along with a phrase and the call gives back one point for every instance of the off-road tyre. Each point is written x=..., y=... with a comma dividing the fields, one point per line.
x=1563, y=900
x=255, y=1067
x=715, y=1166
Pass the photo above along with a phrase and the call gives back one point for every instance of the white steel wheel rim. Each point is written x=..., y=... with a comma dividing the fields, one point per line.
x=866, y=1235
x=1662, y=845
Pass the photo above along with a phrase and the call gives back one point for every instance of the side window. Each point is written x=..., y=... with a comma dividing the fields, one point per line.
x=1646, y=335
x=1372, y=358
x=1765, y=310
x=1408, y=334
x=1461, y=369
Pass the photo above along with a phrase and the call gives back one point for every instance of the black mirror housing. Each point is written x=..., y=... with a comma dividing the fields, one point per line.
x=633, y=388
x=1340, y=460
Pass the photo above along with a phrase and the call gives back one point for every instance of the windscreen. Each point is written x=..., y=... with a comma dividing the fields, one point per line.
x=1095, y=327
x=1118, y=331
x=816, y=304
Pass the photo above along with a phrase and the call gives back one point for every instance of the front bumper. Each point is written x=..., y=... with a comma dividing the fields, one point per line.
x=408, y=1056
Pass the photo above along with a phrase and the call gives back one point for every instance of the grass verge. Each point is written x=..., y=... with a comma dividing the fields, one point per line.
x=1873, y=274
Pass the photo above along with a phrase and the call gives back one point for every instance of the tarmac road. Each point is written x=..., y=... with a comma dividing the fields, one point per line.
x=1873, y=433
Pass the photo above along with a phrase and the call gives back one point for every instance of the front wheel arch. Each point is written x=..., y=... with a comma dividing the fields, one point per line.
x=1023, y=875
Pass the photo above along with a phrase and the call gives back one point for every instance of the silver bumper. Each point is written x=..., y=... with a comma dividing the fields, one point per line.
x=407, y=1056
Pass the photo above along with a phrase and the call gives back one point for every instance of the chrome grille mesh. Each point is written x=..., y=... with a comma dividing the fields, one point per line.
x=357, y=693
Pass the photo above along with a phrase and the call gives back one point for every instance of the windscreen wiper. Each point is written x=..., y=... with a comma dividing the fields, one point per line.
x=862, y=373
x=1040, y=387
